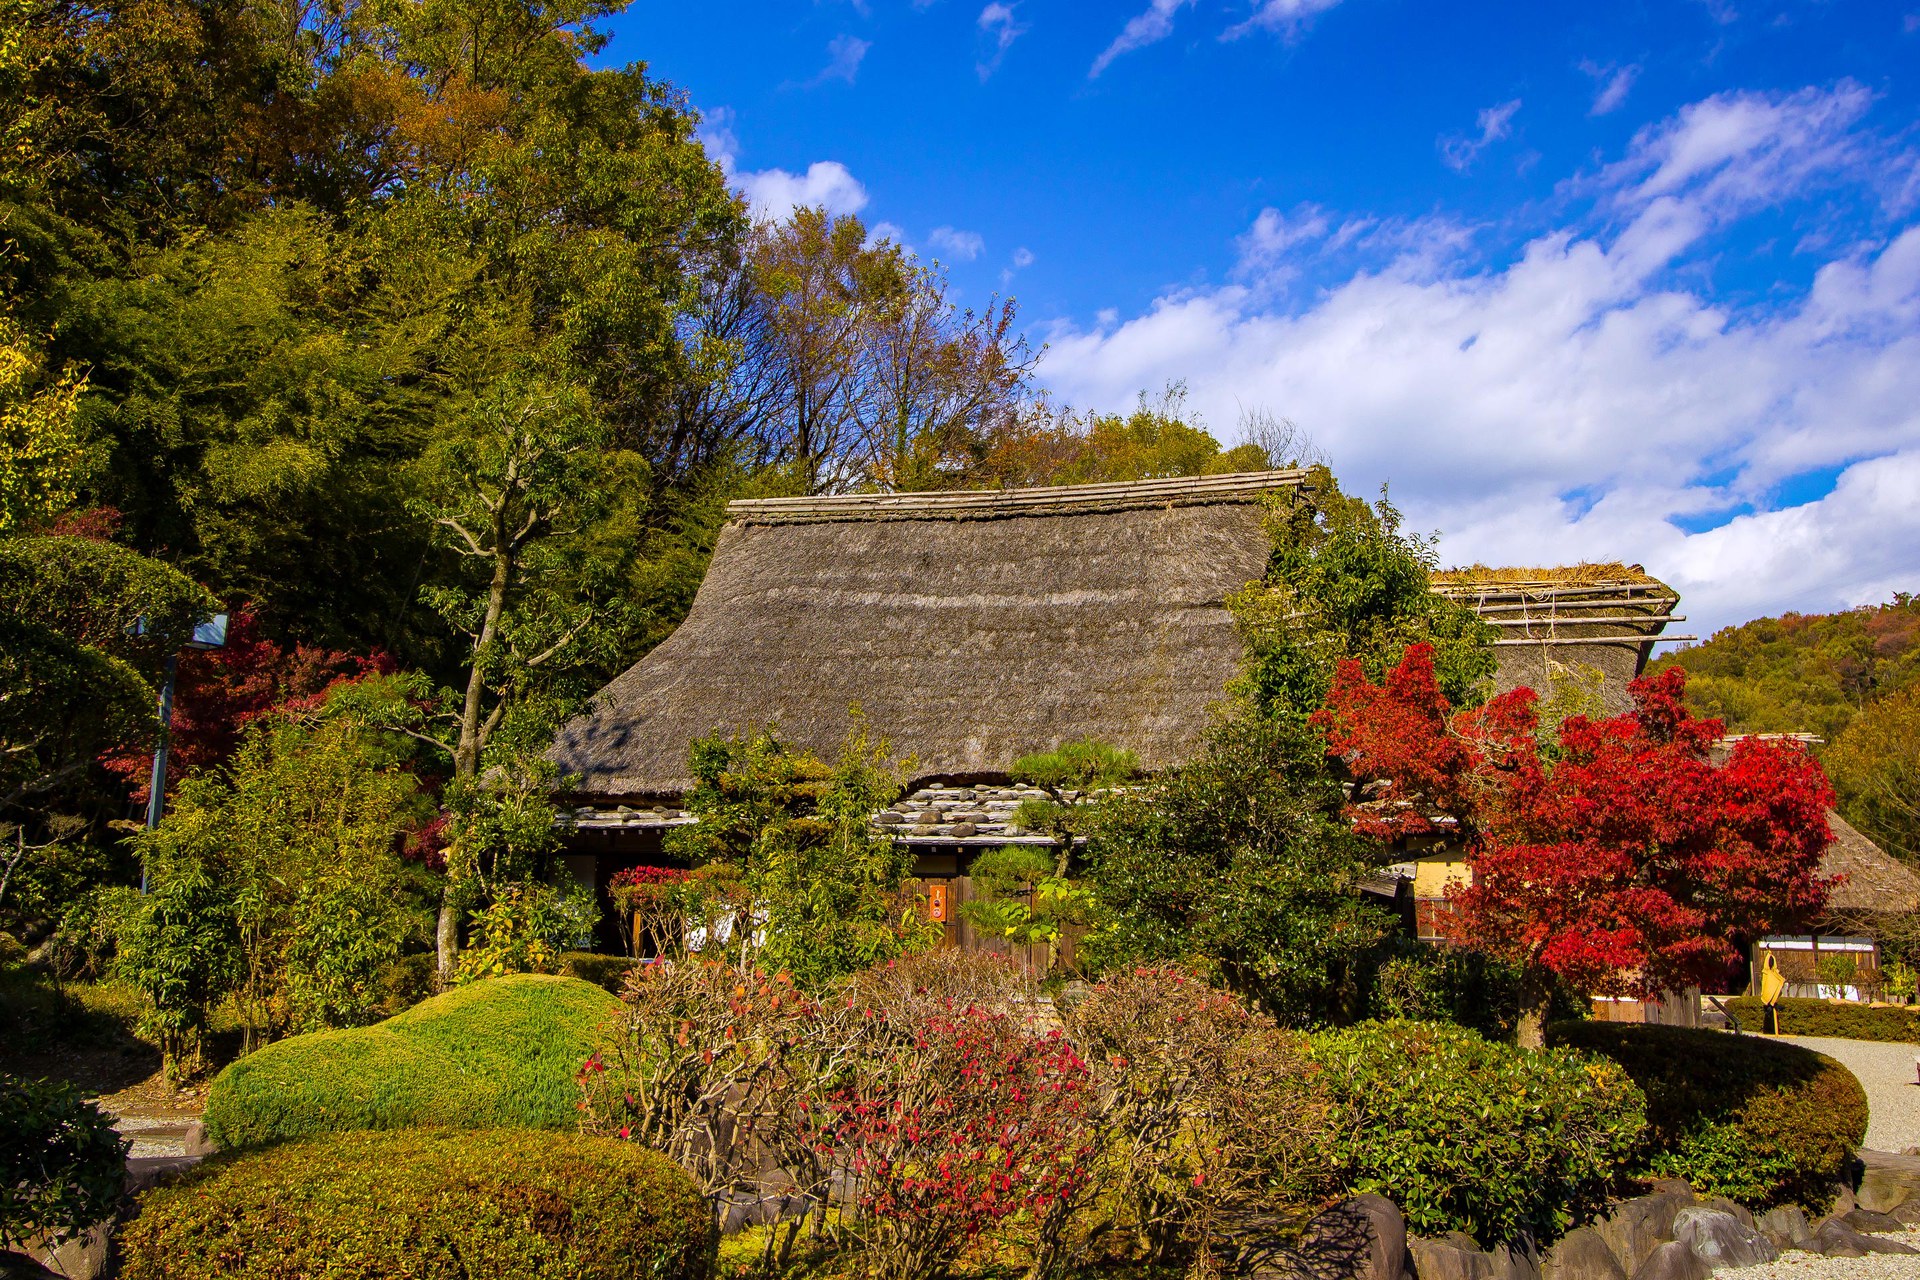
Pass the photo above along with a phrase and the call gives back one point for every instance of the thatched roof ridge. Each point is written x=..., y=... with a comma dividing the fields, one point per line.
x=1555, y=622
x=971, y=629
x=1875, y=881
x=992, y=504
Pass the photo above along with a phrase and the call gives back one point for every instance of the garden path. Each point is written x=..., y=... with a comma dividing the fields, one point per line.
x=1798, y=1265
x=1887, y=1073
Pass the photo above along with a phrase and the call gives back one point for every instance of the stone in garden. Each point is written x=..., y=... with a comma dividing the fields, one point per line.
x=1733, y=1207
x=1786, y=1225
x=1583, y=1254
x=1637, y=1227
x=1447, y=1260
x=961, y=830
x=1672, y=1261
x=196, y=1142
x=1868, y=1220
x=1721, y=1240
x=889, y=818
x=1674, y=1187
x=1838, y=1240
x=18, y=1266
x=1888, y=1181
x=1364, y=1238
x=1515, y=1262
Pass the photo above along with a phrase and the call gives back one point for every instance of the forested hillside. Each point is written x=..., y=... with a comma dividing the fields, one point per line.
x=1852, y=678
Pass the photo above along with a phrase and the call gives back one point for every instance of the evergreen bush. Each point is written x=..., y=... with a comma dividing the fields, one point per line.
x=428, y=1204
x=502, y=1051
x=1467, y=1135
x=1744, y=1117
x=1842, y=1021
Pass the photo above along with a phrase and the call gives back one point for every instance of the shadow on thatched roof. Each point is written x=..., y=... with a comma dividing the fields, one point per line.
x=971, y=628
x=1558, y=624
x=1876, y=882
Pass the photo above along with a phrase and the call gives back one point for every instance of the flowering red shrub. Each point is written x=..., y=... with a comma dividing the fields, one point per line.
x=1612, y=852
x=961, y=1124
x=650, y=906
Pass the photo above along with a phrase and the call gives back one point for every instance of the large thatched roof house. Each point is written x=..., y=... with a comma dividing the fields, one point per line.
x=974, y=628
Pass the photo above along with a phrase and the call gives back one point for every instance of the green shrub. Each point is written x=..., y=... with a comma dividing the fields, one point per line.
x=62, y=1165
x=428, y=1203
x=602, y=971
x=1468, y=1135
x=497, y=1052
x=1840, y=1019
x=404, y=983
x=1745, y=1117
x=1421, y=982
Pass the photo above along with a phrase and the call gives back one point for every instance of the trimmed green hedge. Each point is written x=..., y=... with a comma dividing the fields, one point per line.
x=1468, y=1135
x=427, y=1204
x=1745, y=1117
x=601, y=970
x=499, y=1052
x=1829, y=1018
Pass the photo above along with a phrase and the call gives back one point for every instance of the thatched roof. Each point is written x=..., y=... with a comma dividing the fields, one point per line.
x=971, y=628
x=1876, y=882
x=1555, y=622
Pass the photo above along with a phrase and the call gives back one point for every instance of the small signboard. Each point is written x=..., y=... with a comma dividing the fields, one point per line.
x=937, y=902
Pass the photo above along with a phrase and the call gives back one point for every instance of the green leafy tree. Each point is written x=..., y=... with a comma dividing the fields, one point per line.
x=1345, y=581
x=62, y=1166
x=1239, y=861
x=821, y=888
x=283, y=881
x=86, y=628
x=1875, y=766
x=40, y=446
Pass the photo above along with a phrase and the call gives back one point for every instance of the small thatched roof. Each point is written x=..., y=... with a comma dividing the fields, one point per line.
x=1876, y=882
x=1555, y=622
x=971, y=628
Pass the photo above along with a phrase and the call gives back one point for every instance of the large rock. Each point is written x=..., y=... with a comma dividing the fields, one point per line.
x=1838, y=1240
x=1582, y=1254
x=1787, y=1226
x=1733, y=1207
x=1364, y=1238
x=1721, y=1240
x=1637, y=1227
x=1449, y=1260
x=1672, y=1261
x=1869, y=1221
x=1888, y=1181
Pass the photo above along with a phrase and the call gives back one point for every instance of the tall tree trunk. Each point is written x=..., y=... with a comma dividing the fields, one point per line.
x=1536, y=999
x=466, y=752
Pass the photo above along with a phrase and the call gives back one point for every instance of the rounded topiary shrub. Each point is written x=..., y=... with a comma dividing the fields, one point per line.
x=499, y=1052
x=1465, y=1134
x=428, y=1203
x=1740, y=1116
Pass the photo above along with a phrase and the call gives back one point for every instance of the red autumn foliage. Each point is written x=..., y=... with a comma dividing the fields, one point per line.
x=1612, y=852
x=218, y=692
x=967, y=1122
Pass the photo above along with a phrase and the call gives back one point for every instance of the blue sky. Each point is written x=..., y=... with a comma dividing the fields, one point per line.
x=1632, y=280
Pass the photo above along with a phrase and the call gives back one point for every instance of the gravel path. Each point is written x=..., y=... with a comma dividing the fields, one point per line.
x=1886, y=1072
x=1796, y=1265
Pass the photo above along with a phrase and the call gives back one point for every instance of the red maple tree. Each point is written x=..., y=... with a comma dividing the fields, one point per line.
x=1614, y=853
x=218, y=692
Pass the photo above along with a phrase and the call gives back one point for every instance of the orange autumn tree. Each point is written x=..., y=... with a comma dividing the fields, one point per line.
x=1613, y=853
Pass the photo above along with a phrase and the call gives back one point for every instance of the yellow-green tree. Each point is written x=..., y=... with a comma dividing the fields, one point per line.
x=40, y=448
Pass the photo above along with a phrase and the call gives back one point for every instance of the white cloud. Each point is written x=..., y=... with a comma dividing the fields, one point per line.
x=844, y=55
x=1572, y=401
x=998, y=25
x=964, y=245
x=1022, y=258
x=1614, y=84
x=1143, y=29
x=1460, y=151
x=772, y=194
x=1284, y=17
